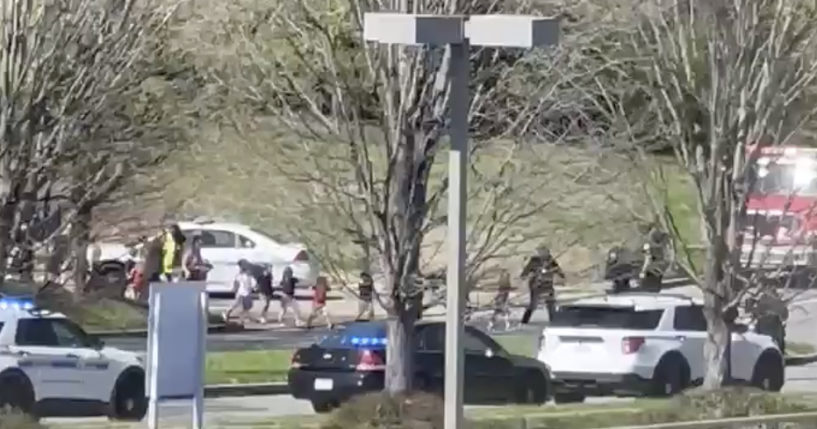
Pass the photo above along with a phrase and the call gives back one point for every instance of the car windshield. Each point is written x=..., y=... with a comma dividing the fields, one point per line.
x=606, y=318
x=368, y=335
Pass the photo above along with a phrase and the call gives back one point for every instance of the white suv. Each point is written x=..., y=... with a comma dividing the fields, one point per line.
x=50, y=367
x=634, y=344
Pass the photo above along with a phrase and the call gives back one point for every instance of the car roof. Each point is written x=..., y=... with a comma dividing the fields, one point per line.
x=636, y=300
x=380, y=324
x=231, y=226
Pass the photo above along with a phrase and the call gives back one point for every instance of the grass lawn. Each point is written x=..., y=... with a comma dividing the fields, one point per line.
x=250, y=366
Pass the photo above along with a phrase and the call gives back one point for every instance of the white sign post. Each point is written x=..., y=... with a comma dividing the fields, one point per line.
x=177, y=335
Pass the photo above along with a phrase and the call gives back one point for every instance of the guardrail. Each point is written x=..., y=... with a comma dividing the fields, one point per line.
x=771, y=421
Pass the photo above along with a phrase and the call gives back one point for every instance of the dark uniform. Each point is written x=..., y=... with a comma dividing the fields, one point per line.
x=655, y=259
x=770, y=313
x=540, y=272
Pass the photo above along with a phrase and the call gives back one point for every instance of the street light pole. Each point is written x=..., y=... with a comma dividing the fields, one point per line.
x=458, y=33
x=460, y=101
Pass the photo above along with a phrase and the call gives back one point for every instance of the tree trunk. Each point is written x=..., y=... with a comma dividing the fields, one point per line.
x=80, y=237
x=400, y=351
x=715, y=301
x=717, y=342
x=6, y=221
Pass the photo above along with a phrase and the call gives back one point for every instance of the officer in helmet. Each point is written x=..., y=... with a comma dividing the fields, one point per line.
x=655, y=258
x=540, y=272
x=770, y=313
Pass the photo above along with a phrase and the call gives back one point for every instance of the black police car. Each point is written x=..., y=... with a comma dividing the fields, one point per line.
x=351, y=360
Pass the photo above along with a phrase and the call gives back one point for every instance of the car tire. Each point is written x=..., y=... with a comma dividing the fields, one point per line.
x=128, y=401
x=769, y=373
x=531, y=389
x=423, y=384
x=670, y=377
x=17, y=392
x=569, y=398
x=325, y=406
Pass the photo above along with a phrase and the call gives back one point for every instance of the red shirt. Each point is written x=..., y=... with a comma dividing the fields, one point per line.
x=319, y=296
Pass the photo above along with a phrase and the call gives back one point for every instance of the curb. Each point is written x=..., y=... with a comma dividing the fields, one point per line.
x=233, y=390
x=800, y=360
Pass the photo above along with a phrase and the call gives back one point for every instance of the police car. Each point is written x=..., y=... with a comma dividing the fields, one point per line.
x=634, y=344
x=50, y=367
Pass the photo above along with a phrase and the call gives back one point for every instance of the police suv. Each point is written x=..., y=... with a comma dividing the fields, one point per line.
x=50, y=367
x=634, y=344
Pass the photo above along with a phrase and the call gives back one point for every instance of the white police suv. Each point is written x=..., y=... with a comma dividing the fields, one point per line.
x=634, y=344
x=50, y=367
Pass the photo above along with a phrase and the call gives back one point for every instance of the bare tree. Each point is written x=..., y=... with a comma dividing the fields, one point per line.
x=720, y=79
x=368, y=122
x=71, y=70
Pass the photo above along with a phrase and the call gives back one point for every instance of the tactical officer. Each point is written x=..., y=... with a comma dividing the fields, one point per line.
x=770, y=313
x=540, y=272
x=655, y=260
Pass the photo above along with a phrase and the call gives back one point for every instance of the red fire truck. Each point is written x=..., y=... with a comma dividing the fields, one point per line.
x=781, y=231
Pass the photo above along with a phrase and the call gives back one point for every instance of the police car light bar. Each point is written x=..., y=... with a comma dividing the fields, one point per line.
x=366, y=341
x=16, y=304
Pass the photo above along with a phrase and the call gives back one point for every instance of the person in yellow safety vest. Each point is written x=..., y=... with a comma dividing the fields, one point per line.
x=172, y=246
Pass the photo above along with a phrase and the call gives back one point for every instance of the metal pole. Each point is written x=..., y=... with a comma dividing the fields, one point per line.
x=455, y=290
x=153, y=359
x=198, y=399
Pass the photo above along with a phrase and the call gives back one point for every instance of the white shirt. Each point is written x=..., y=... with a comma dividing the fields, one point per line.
x=244, y=284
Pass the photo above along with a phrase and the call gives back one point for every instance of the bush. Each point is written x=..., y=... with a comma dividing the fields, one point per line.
x=383, y=411
x=14, y=419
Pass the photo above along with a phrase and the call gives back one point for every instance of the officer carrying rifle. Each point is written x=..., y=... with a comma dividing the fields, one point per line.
x=540, y=271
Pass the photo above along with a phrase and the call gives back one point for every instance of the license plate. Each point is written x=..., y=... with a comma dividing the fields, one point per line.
x=581, y=348
x=323, y=384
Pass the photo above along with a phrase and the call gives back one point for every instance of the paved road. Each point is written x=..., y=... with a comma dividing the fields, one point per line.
x=229, y=412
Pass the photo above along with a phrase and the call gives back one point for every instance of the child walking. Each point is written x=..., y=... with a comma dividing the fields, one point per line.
x=263, y=275
x=365, y=291
x=288, y=282
x=319, y=303
x=243, y=286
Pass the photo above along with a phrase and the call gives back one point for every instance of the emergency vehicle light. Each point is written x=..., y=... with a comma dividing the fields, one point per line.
x=16, y=304
x=366, y=341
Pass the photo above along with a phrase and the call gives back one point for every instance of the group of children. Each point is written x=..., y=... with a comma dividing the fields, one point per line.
x=253, y=278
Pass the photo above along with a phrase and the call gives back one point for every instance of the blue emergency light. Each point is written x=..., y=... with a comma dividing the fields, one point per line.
x=368, y=341
x=16, y=304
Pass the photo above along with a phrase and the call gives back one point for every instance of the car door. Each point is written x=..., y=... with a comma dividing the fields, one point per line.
x=30, y=359
x=220, y=249
x=58, y=368
x=745, y=351
x=488, y=371
x=93, y=365
x=690, y=330
x=429, y=364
